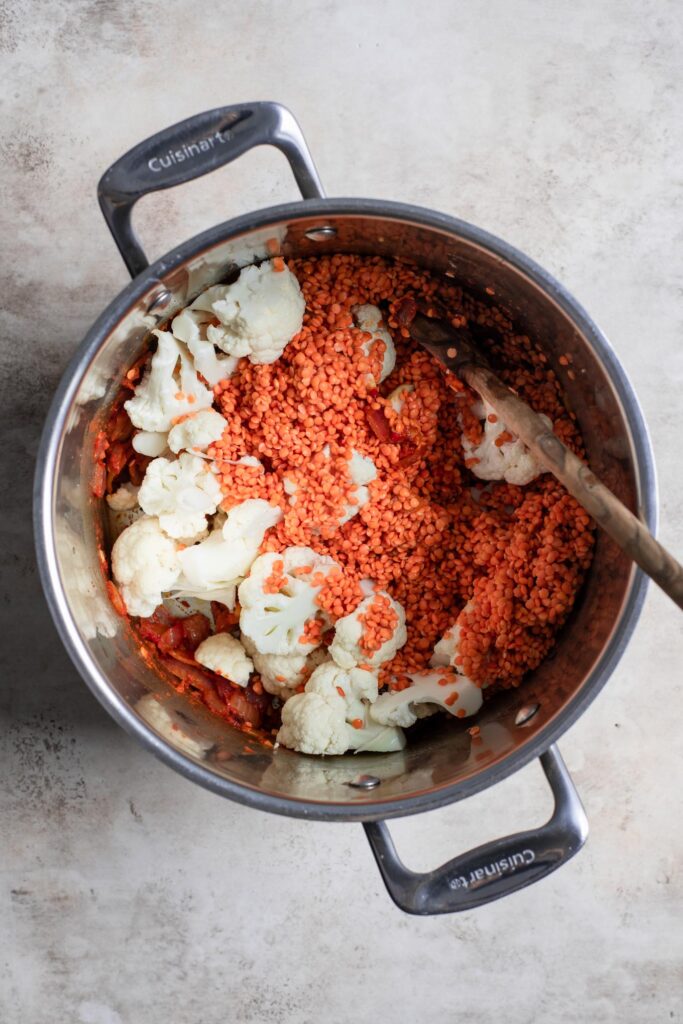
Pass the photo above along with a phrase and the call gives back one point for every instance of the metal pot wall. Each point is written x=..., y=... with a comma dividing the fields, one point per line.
x=440, y=764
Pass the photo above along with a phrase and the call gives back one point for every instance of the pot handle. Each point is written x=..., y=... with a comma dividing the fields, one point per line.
x=495, y=869
x=192, y=148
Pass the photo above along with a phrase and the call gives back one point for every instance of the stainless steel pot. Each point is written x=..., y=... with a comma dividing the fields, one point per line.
x=442, y=764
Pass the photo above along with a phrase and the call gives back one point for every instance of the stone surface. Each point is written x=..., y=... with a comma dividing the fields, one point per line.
x=127, y=893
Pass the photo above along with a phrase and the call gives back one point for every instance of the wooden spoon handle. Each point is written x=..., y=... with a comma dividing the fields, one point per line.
x=606, y=509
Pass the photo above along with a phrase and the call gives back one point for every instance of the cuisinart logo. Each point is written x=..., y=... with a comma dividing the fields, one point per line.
x=504, y=866
x=188, y=151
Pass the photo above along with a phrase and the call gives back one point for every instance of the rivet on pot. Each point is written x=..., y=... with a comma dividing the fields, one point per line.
x=158, y=301
x=364, y=782
x=321, y=233
x=525, y=714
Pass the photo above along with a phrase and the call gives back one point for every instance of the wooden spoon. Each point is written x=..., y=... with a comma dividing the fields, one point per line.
x=457, y=351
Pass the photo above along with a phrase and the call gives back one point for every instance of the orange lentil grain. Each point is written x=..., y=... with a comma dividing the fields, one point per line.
x=435, y=543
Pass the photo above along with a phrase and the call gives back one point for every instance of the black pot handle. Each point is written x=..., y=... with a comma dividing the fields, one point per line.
x=194, y=147
x=495, y=869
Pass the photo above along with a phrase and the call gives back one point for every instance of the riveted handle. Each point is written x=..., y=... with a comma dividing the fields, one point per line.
x=495, y=869
x=192, y=148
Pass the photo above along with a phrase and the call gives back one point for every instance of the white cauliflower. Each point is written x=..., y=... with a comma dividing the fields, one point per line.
x=446, y=649
x=440, y=687
x=173, y=727
x=280, y=674
x=249, y=460
x=224, y=654
x=345, y=648
x=145, y=565
x=170, y=388
x=214, y=566
x=190, y=326
x=313, y=725
x=375, y=738
x=368, y=318
x=259, y=313
x=151, y=443
x=124, y=499
x=197, y=432
x=315, y=722
x=197, y=595
x=397, y=398
x=362, y=471
x=275, y=623
x=512, y=461
x=182, y=493
x=355, y=687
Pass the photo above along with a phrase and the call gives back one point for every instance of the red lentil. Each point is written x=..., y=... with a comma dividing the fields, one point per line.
x=432, y=535
x=423, y=536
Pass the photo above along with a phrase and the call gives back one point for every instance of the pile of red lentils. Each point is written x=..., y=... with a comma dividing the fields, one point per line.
x=432, y=535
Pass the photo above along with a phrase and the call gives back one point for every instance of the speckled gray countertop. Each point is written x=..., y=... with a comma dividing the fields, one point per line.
x=129, y=895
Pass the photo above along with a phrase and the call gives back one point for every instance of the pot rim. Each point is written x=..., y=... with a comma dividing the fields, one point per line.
x=96, y=680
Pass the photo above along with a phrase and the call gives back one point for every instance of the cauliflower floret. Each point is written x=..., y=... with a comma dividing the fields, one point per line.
x=276, y=622
x=446, y=649
x=375, y=738
x=197, y=432
x=511, y=461
x=216, y=564
x=182, y=493
x=355, y=687
x=145, y=564
x=150, y=443
x=191, y=326
x=224, y=654
x=259, y=313
x=345, y=648
x=362, y=471
x=316, y=724
x=368, y=318
x=397, y=397
x=442, y=687
x=155, y=403
x=281, y=674
x=185, y=591
x=313, y=725
x=124, y=499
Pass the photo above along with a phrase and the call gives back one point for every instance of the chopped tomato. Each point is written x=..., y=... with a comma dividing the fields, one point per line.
x=379, y=425
x=137, y=467
x=120, y=427
x=172, y=637
x=223, y=618
x=196, y=628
